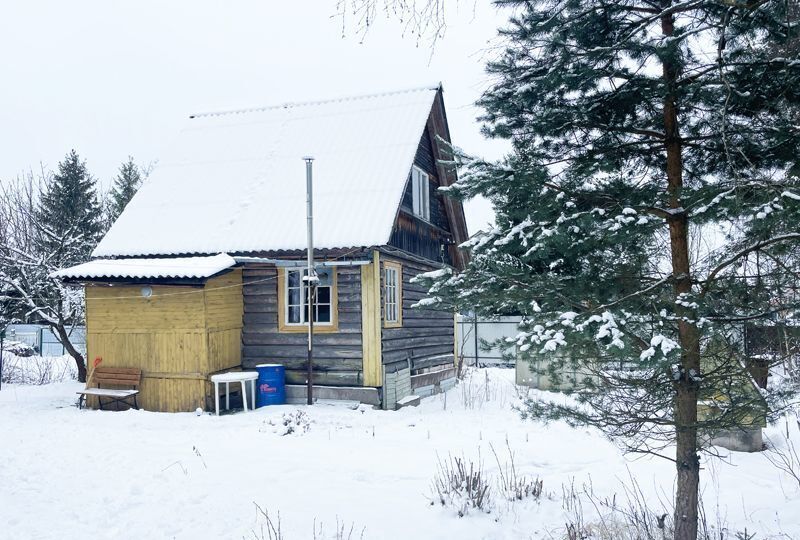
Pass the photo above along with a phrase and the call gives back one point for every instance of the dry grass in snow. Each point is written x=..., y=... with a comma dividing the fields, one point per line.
x=333, y=472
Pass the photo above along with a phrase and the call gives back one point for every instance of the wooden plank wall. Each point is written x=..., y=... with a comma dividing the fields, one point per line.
x=224, y=308
x=164, y=335
x=177, y=337
x=397, y=386
x=425, y=160
x=337, y=355
x=371, y=301
x=426, y=337
x=416, y=235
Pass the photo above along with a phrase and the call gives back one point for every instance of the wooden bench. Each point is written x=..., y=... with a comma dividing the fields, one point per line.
x=103, y=377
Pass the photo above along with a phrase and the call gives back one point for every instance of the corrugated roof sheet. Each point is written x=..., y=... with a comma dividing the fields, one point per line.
x=235, y=182
x=174, y=268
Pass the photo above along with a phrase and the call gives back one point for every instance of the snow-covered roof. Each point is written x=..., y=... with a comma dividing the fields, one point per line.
x=185, y=267
x=235, y=182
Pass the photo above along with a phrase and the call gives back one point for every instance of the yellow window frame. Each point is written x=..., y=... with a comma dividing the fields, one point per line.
x=319, y=328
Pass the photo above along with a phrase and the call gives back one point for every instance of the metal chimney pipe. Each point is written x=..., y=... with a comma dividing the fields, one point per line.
x=311, y=278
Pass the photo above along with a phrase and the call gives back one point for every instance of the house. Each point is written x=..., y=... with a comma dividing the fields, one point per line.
x=203, y=271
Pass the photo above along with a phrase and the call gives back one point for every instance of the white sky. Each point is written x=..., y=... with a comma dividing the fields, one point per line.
x=113, y=79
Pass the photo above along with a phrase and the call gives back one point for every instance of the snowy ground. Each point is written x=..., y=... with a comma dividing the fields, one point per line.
x=67, y=473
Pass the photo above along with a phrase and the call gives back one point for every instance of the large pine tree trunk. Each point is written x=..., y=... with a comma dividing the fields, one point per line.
x=686, y=385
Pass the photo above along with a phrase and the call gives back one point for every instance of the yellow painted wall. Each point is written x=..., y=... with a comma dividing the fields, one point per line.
x=177, y=336
x=371, y=322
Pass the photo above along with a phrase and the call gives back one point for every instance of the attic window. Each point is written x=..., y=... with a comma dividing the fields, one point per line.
x=420, y=187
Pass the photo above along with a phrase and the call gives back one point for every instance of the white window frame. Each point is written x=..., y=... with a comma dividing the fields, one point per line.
x=392, y=295
x=304, y=299
x=420, y=193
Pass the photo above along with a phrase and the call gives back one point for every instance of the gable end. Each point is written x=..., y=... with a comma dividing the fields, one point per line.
x=437, y=238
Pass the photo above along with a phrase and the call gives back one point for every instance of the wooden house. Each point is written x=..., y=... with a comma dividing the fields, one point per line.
x=203, y=271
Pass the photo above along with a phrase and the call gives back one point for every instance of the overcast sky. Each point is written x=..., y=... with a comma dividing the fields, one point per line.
x=112, y=79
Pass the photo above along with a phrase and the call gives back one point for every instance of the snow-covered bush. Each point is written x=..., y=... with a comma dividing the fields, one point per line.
x=37, y=370
x=462, y=485
x=296, y=422
x=18, y=348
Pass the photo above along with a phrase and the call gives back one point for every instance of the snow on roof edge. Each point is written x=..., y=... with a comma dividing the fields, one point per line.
x=289, y=104
x=151, y=268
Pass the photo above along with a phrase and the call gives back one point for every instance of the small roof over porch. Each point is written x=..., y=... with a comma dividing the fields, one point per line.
x=144, y=269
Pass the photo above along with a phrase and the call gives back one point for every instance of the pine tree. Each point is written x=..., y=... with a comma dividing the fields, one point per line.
x=47, y=224
x=126, y=184
x=647, y=212
x=68, y=214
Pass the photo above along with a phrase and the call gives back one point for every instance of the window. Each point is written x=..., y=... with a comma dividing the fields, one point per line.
x=420, y=192
x=392, y=294
x=293, y=300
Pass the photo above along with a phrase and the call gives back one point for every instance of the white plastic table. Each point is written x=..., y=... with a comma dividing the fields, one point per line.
x=240, y=377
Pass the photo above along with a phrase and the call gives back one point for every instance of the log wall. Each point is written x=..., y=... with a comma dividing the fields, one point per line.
x=426, y=339
x=337, y=355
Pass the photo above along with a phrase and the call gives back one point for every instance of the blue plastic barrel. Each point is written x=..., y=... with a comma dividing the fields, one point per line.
x=271, y=387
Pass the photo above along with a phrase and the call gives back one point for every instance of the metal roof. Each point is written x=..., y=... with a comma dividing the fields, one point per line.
x=185, y=268
x=234, y=182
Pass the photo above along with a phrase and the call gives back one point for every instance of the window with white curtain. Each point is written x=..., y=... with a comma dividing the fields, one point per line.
x=420, y=190
x=296, y=294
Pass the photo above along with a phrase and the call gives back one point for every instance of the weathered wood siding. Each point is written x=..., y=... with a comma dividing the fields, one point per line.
x=337, y=355
x=177, y=336
x=416, y=235
x=397, y=386
x=427, y=336
x=425, y=160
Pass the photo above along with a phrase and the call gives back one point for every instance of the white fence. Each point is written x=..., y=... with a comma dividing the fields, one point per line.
x=473, y=332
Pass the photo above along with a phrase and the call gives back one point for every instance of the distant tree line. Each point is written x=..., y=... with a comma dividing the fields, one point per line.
x=53, y=220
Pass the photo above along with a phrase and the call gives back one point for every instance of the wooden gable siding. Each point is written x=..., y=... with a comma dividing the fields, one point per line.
x=177, y=336
x=437, y=124
x=337, y=355
x=427, y=336
x=424, y=160
x=415, y=235
x=438, y=239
